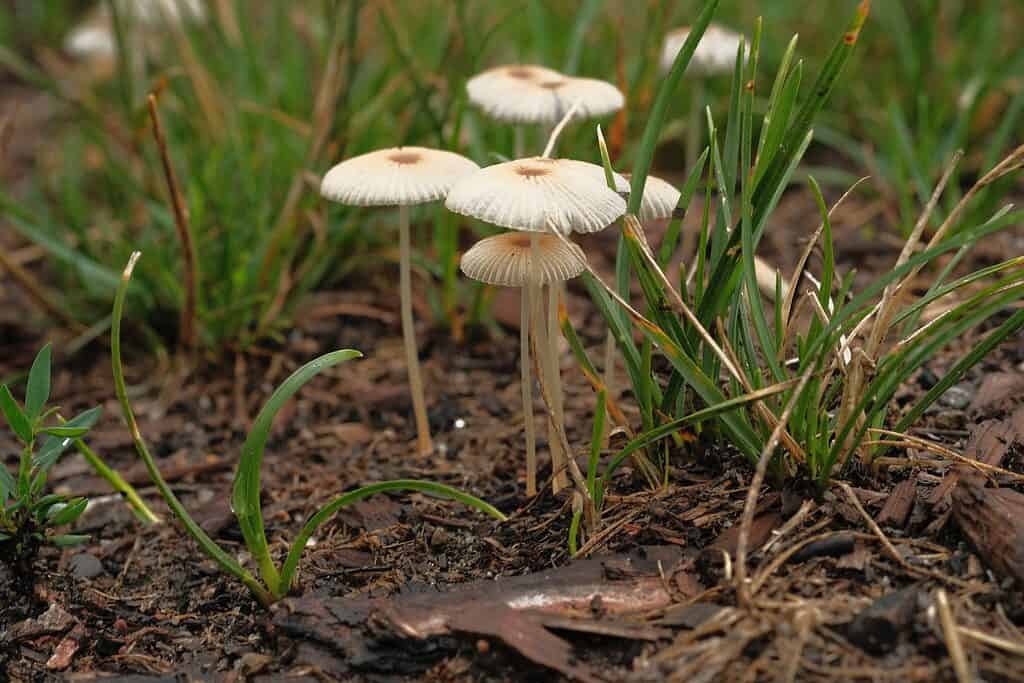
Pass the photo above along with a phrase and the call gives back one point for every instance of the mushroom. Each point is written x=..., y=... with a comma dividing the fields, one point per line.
x=531, y=94
x=539, y=195
x=401, y=176
x=715, y=54
x=95, y=38
x=659, y=200
x=507, y=260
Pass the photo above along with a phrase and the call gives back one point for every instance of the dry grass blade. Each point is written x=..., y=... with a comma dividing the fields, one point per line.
x=187, y=318
x=907, y=440
x=952, y=637
x=743, y=590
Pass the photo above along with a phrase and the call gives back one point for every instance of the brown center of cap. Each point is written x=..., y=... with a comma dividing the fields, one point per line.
x=535, y=168
x=553, y=85
x=520, y=72
x=520, y=240
x=405, y=158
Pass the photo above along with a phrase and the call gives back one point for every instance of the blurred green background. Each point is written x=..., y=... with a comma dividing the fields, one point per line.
x=259, y=98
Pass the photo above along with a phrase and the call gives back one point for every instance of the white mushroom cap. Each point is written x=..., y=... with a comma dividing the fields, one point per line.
x=395, y=177
x=596, y=98
x=527, y=93
x=94, y=38
x=659, y=200
x=513, y=93
x=539, y=195
x=715, y=53
x=506, y=260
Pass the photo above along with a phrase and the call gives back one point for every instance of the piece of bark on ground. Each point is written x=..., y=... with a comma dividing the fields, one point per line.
x=405, y=633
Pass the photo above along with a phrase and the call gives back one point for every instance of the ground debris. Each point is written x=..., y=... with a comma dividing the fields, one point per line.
x=993, y=521
x=407, y=632
x=879, y=627
x=899, y=504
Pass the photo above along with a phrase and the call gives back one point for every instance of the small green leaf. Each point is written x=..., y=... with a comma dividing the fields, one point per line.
x=7, y=484
x=42, y=507
x=77, y=426
x=5, y=537
x=16, y=419
x=67, y=540
x=68, y=513
x=38, y=389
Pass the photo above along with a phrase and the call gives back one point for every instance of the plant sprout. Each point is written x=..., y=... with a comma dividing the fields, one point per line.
x=27, y=516
x=272, y=583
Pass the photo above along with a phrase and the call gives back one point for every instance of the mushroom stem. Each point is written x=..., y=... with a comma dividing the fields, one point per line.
x=609, y=383
x=526, y=378
x=555, y=373
x=412, y=361
x=693, y=125
x=545, y=369
x=520, y=142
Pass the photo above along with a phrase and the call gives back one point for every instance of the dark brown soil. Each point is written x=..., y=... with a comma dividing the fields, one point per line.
x=144, y=601
x=851, y=603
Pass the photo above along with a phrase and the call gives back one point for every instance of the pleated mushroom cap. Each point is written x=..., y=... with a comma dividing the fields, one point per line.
x=527, y=93
x=506, y=260
x=715, y=53
x=513, y=93
x=539, y=195
x=596, y=98
x=395, y=177
x=659, y=200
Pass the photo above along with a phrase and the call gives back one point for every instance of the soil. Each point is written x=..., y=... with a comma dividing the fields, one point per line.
x=852, y=586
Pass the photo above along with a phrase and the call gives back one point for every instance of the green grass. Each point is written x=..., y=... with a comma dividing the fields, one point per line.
x=254, y=116
x=816, y=374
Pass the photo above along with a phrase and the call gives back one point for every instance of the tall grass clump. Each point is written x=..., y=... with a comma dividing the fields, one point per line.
x=249, y=104
x=805, y=383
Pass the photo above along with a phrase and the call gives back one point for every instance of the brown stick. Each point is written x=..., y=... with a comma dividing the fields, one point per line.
x=187, y=319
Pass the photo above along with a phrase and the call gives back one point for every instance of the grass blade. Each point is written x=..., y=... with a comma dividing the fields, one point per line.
x=246, y=497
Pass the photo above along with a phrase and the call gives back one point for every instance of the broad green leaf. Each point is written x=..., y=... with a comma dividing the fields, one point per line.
x=77, y=426
x=7, y=484
x=68, y=540
x=37, y=391
x=68, y=513
x=16, y=419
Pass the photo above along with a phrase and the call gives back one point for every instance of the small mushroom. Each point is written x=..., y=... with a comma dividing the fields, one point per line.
x=528, y=94
x=539, y=194
x=659, y=200
x=401, y=176
x=94, y=38
x=529, y=261
x=542, y=195
x=715, y=54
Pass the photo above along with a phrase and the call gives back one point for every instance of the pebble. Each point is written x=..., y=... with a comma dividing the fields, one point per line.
x=86, y=566
x=957, y=397
x=439, y=538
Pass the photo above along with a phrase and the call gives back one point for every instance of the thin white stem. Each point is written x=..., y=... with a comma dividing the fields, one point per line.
x=555, y=370
x=553, y=138
x=412, y=361
x=526, y=378
x=520, y=144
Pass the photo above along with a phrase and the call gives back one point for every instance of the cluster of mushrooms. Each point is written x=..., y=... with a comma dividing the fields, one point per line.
x=540, y=200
